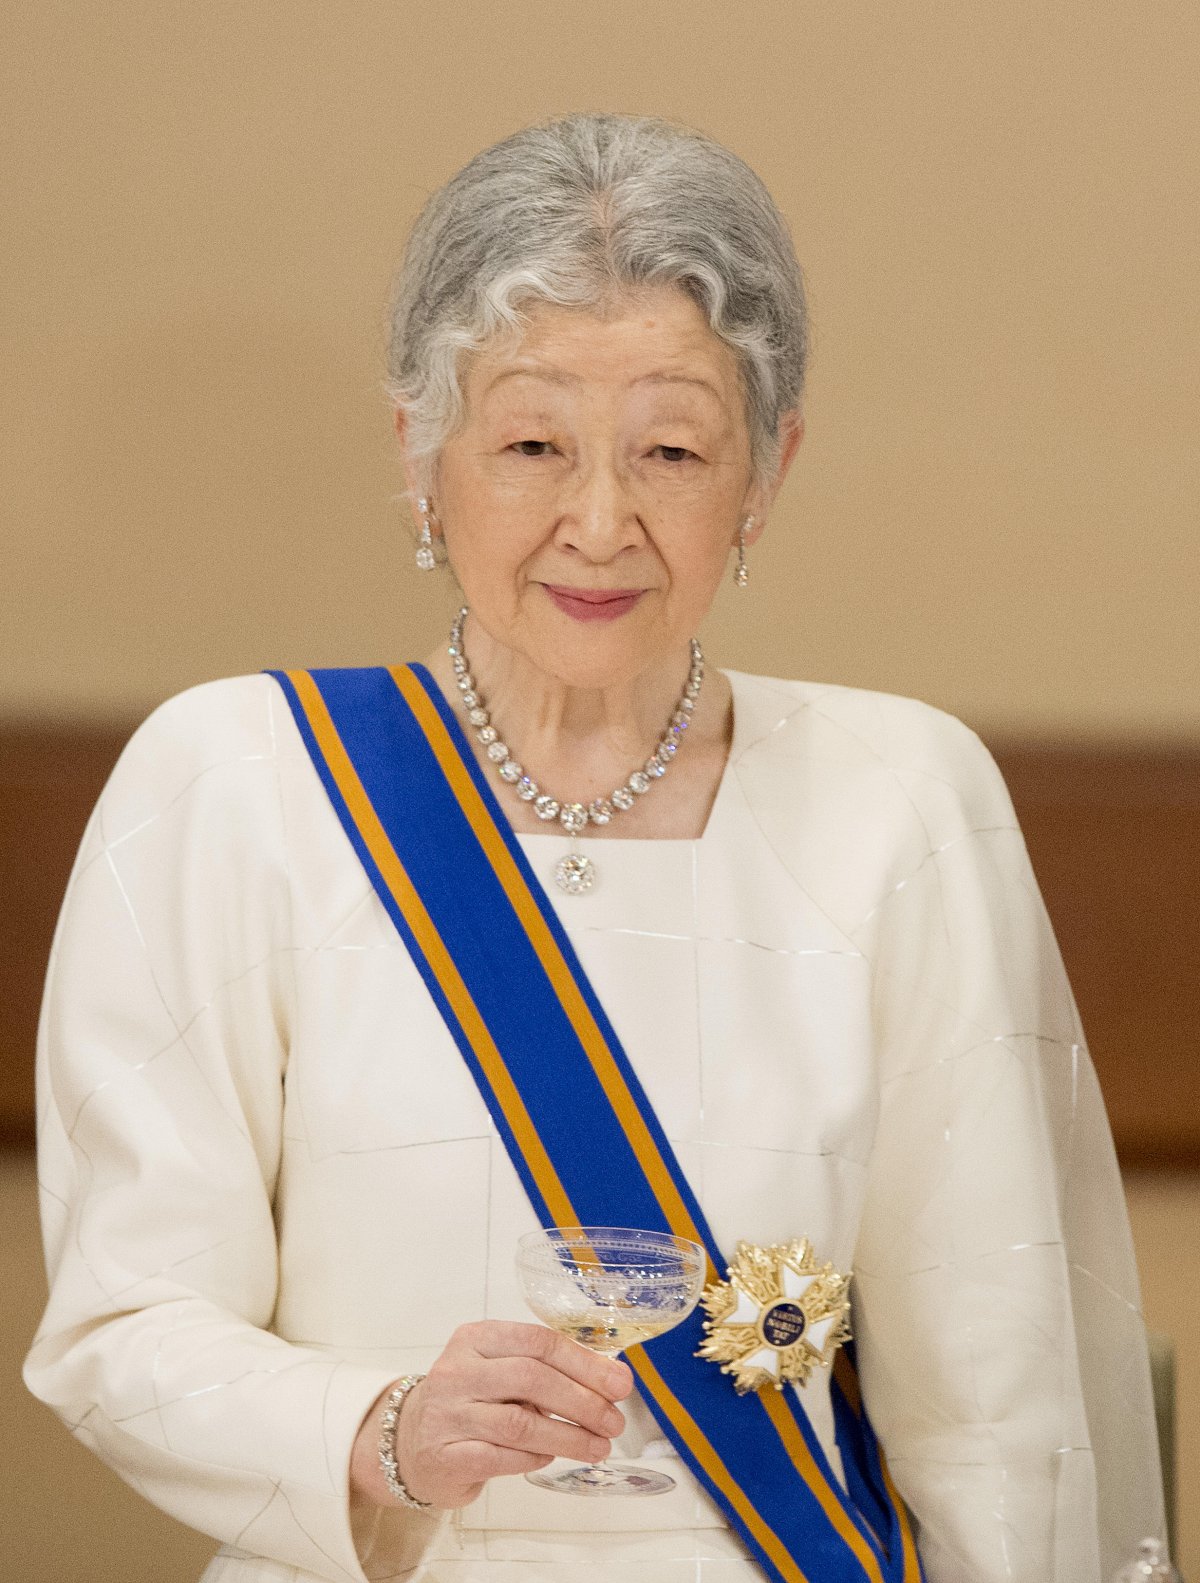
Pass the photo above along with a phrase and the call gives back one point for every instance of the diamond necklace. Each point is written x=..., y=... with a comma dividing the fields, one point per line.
x=574, y=873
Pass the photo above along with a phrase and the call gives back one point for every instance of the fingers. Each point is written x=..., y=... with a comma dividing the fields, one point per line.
x=451, y=1466
x=474, y=1462
x=500, y=1339
x=501, y=1362
x=506, y=1398
x=545, y=1388
x=514, y=1427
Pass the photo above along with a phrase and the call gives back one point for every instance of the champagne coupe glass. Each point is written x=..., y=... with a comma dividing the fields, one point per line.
x=609, y=1288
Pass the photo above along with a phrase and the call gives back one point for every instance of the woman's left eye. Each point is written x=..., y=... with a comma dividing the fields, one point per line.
x=532, y=447
x=674, y=453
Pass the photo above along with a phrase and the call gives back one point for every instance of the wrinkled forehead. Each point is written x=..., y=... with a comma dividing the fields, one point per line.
x=656, y=341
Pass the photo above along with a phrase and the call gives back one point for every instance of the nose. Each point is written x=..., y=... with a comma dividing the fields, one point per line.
x=600, y=517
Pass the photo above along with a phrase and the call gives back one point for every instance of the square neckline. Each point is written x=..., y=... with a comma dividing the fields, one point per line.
x=716, y=810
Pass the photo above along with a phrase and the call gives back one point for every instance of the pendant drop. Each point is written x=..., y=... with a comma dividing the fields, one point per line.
x=575, y=874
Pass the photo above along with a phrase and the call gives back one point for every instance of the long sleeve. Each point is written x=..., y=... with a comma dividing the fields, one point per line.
x=1001, y=1341
x=163, y=1045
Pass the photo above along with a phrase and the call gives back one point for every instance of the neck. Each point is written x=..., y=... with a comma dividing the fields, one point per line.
x=578, y=741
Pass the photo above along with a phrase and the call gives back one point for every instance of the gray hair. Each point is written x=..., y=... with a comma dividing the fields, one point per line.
x=573, y=212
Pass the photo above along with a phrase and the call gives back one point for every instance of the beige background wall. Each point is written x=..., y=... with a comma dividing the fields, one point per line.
x=996, y=507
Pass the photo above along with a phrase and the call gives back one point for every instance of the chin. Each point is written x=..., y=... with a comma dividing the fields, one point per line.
x=596, y=674
x=596, y=659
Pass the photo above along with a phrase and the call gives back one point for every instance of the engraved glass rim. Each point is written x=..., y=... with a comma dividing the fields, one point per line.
x=614, y=1245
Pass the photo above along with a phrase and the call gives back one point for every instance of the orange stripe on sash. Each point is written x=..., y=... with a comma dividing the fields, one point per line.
x=708, y=1459
x=550, y=956
x=785, y=1427
x=441, y=973
x=847, y=1377
x=625, y=1107
x=430, y=941
x=908, y=1544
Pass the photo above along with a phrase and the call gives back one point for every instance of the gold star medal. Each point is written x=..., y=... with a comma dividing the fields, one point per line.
x=778, y=1315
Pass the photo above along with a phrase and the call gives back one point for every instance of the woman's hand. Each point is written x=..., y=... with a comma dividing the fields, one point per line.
x=491, y=1404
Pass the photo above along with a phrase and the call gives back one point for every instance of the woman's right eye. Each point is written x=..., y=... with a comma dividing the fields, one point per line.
x=532, y=447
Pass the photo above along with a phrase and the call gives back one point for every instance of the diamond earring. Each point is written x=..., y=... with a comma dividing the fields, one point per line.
x=741, y=572
x=426, y=559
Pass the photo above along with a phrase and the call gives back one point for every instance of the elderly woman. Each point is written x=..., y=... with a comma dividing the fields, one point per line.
x=362, y=975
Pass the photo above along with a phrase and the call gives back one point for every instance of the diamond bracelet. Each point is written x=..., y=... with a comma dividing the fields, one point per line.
x=387, y=1443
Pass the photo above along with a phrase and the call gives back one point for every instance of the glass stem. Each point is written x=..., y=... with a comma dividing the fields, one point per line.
x=602, y=1469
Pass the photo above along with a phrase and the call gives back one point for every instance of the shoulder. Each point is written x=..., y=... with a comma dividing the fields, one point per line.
x=878, y=753
x=232, y=712
x=217, y=741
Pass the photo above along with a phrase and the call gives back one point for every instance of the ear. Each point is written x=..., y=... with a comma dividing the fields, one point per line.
x=758, y=526
x=415, y=477
x=791, y=433
x=762, y=498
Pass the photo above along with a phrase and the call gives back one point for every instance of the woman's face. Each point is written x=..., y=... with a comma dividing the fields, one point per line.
x=590, y=497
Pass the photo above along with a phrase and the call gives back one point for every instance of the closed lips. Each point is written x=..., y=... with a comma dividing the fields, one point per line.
x=593, y=596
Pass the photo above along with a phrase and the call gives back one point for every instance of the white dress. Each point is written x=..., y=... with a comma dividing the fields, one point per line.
x=270, y=1184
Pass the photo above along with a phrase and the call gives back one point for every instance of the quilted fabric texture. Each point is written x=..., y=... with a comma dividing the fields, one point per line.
x=270, y=1185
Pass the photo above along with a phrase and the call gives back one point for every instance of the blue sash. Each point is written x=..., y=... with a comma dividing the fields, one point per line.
x=581, y=1134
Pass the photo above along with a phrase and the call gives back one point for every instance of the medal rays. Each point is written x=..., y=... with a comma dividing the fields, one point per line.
x=778, y=1316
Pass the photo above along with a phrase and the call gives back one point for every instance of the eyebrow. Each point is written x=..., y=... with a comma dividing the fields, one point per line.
x=679, y=379
x=555, y=376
